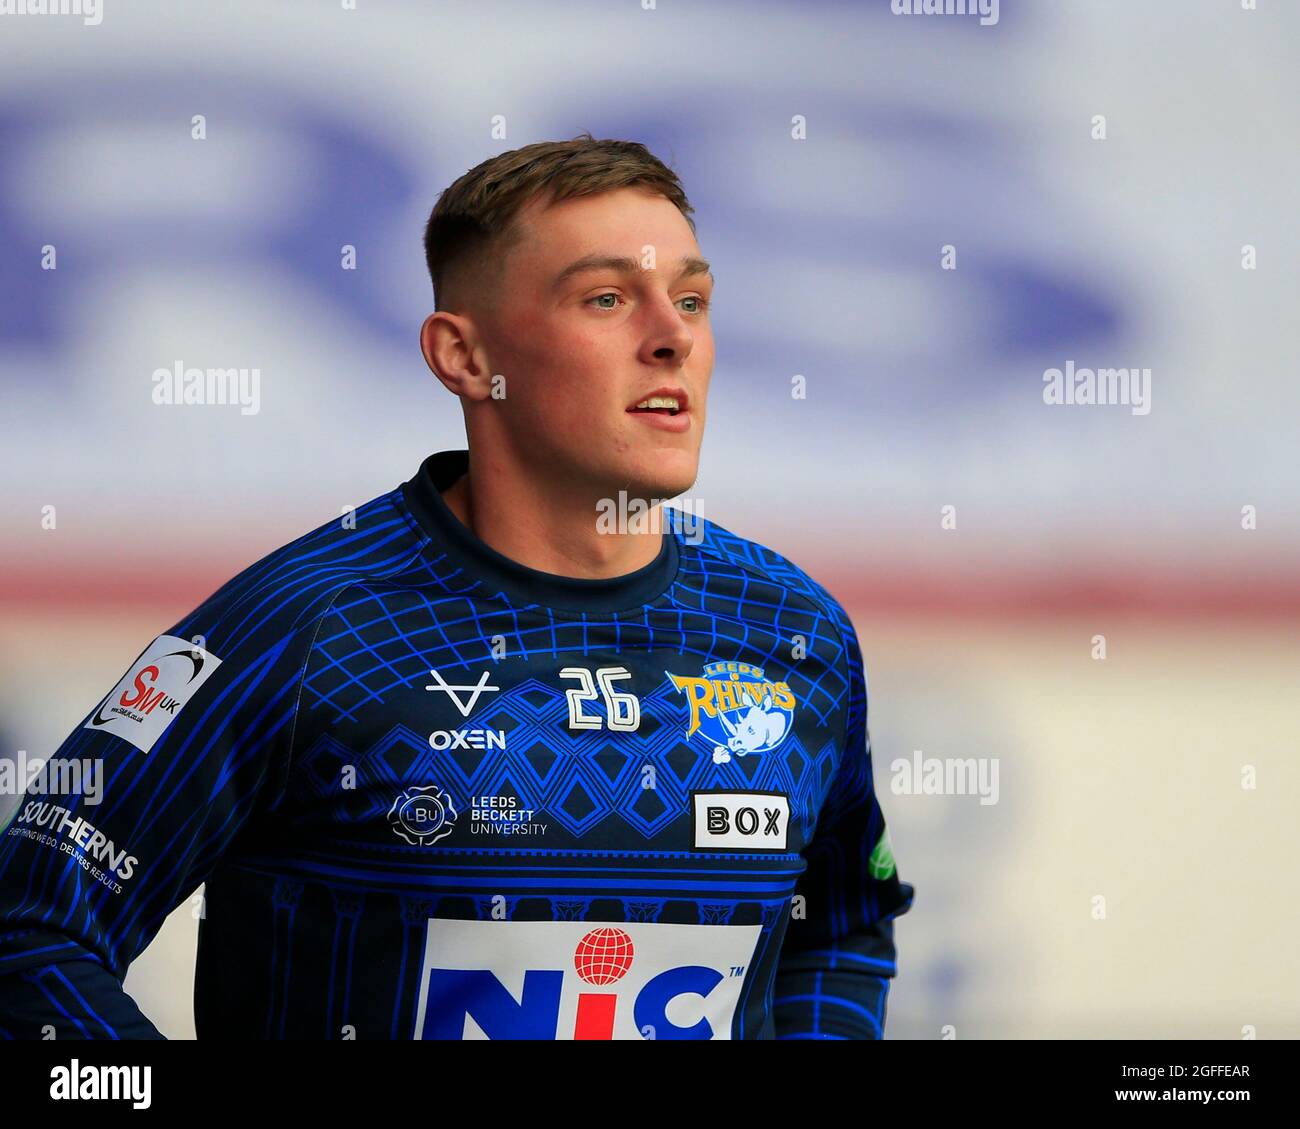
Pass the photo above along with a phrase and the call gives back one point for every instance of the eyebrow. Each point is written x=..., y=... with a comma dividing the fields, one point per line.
x=626, y=265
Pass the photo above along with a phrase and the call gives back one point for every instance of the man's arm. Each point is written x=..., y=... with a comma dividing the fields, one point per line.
x=75, y=999
x=832, y=978
x=189, y=745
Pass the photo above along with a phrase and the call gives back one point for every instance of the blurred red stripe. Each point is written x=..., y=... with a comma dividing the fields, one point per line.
x=981, y=592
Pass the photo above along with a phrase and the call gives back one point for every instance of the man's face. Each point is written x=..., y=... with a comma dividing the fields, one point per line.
x=581, y=345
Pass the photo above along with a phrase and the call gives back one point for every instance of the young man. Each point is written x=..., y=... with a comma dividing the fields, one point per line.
x=485, y=761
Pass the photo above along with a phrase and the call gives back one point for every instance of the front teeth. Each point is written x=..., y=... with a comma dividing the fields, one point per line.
x=660, y=402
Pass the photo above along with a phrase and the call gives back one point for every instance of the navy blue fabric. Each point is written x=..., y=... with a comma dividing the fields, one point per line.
x=277, y=784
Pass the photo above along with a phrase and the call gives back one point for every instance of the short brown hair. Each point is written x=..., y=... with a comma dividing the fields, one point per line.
x=472, y=223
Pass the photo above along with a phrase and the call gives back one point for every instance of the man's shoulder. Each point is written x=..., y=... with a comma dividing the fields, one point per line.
x=714, y=547
x=291, y=587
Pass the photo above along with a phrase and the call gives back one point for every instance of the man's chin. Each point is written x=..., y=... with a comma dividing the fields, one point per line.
x=666, y=475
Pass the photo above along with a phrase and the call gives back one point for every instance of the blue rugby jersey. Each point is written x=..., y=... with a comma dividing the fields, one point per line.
x=436, y=794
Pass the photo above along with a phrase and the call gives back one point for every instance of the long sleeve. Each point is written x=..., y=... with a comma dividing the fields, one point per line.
x=74, y=999
x=138, y=806
x=837, y=960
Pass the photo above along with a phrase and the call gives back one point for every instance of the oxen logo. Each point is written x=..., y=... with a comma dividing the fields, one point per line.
x=736, y=709
x=465, y=706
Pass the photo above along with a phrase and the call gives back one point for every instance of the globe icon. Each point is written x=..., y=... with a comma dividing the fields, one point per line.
x=603, y=956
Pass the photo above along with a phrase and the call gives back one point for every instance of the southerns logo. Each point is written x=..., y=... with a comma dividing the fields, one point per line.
x=71, y=832
x=746, y=821
x=422, y=815
x=581, y=980
x=736, y=710
x=152, y=692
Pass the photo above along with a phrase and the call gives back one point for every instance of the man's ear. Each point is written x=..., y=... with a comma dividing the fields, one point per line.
x=451, y=348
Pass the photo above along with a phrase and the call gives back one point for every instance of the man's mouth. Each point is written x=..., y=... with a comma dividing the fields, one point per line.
x=665, y=401
x=659, y=404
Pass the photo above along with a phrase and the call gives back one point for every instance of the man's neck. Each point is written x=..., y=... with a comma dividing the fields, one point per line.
x=543, y=528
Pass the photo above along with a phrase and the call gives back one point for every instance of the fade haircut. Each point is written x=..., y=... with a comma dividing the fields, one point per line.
x=472, y=225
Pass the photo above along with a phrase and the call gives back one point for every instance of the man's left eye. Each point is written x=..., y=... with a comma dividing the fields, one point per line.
x=701, y=303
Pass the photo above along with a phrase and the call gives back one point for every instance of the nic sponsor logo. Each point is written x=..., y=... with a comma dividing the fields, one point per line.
x=581, y=980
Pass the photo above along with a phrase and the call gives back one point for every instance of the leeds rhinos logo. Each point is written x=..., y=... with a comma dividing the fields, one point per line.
x=736, y=709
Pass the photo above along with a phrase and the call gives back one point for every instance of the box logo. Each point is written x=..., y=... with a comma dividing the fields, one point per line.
x=740, y=821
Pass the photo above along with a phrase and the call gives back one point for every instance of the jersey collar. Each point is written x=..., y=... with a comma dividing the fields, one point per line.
x=524, y=585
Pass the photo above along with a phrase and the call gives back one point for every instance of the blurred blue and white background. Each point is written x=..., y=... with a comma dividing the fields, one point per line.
x=329, y=126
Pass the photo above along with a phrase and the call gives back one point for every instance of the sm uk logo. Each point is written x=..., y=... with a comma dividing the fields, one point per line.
x=735, y=709
x=154, y=690
x=581, y=980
